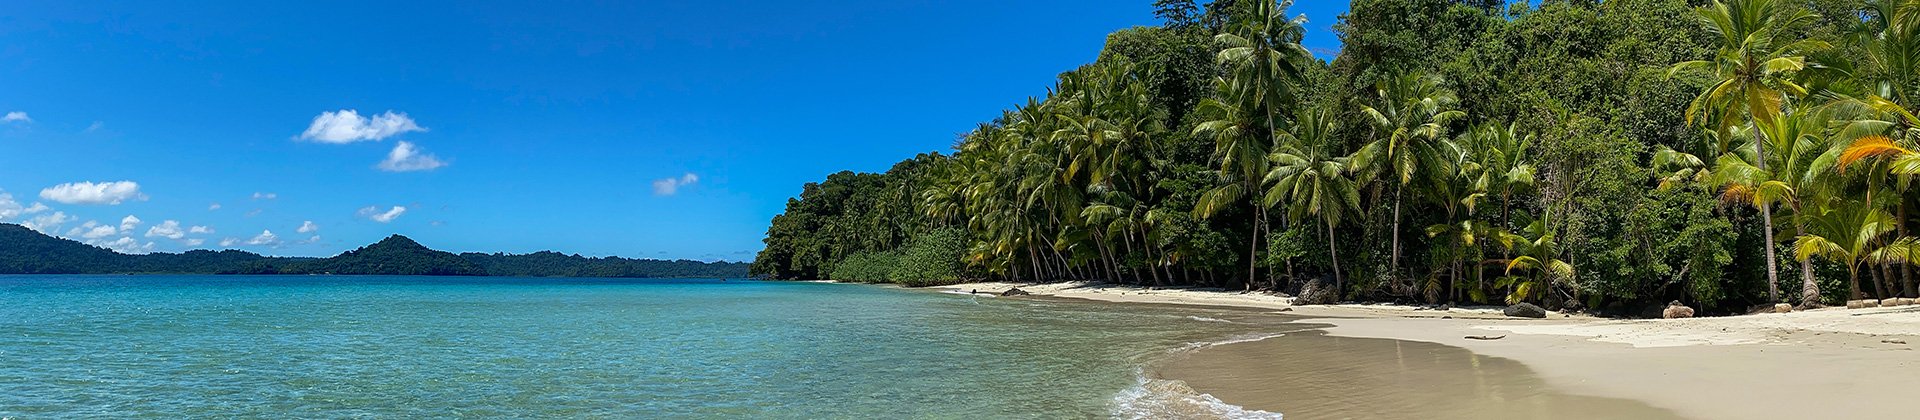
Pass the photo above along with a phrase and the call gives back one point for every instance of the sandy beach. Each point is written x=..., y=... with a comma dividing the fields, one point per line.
x=1826, y=363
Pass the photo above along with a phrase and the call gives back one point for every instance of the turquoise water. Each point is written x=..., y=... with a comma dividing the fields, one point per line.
x=342, y=346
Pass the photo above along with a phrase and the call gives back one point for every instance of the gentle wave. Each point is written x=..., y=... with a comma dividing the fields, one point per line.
x=1206, y=319
x=1165, y=398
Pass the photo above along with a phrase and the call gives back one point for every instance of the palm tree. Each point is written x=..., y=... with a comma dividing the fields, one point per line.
x=1750, y=73
x=1264, y=60
x=1537, y=259
x=1852, y=232
x=1409, y=114
x=1311, y=181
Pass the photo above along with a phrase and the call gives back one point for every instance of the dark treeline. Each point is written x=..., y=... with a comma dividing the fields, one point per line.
x=24, y=251
x=1577, y=153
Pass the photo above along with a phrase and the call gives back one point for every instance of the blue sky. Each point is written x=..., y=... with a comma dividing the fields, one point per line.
x=640, y=129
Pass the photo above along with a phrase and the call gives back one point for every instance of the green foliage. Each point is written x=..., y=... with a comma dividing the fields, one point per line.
x=24, y=251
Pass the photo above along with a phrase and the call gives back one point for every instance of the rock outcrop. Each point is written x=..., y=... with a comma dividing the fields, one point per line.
x=1676, y=310
x=1525, y=310
x=1015, y=292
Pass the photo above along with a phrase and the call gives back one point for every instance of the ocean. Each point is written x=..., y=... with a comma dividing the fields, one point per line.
x=390, y=347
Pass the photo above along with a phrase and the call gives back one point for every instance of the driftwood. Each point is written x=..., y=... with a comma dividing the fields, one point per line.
x=1485, y=337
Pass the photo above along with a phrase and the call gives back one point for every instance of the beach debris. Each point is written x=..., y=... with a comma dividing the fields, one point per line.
x=1676, y=310
x=1863, y=304
x=1894, y=341
x=1525, y=310
x=1895, y=302
x=1485, y=337
x=1015, y=292
x=1285, y=310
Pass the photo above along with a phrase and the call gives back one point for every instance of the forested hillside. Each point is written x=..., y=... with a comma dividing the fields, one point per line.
x=1574, y=153
x=24, y=251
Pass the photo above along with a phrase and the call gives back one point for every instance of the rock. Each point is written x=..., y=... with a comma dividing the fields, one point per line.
x=1890, y=302
x=1525, y=310
x=1015, y=292
x=1676, y=310
x=1285, y=310
x=1318, y=291
x=1781, y=308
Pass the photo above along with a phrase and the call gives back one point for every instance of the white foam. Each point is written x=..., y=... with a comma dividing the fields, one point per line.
x=1206, y=319
x=1164, y=398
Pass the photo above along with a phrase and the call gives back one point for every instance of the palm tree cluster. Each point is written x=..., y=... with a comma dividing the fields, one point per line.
x=1219, y=151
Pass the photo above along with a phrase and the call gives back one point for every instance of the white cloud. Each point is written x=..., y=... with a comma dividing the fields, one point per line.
x=16, y=116
x=266, y=238
x=670, y=186
x=10, y=209
x=47, y=223
x=214, y=206
x=229, y=242
x=108, y=193
x=193, y=242
x=200, y=230
x=96, y=126
x=406, y=157
x=265, y=196
x=169, y=229
x=93, y=230
x=313, y=240
x=124, y=245
x=308, y=227
x=347, y=126
x=129, y=223
x=373, y=213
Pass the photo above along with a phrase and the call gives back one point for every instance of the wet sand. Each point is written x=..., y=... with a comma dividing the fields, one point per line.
x=1310, y=375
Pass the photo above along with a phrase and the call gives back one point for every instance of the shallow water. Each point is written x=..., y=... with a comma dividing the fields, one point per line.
x=343, y=346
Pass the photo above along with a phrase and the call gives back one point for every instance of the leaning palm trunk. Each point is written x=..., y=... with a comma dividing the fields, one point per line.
x=1773, y=273
x=1338, y=283
x=1809, y=291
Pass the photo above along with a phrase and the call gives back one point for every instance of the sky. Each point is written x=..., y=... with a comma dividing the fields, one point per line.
x=642, y=129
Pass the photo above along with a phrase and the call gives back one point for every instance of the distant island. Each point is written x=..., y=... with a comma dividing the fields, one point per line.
x=25, y=251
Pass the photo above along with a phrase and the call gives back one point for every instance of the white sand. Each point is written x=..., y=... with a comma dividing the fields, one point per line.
x=1827, y=363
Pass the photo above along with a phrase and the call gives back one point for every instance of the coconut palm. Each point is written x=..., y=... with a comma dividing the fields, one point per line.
x=1536, y=260
x=1851, y=233
x=1310, y=180
x=1409, y=114
x=1750, y=76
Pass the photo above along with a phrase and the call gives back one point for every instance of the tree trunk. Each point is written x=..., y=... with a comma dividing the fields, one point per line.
x=1879, y=288
x=1393, y=267
x=1906, y=268
x=1338, y=283
x=1809, y=291
x=1253, y=246
x=1853, y=282
x=1773, y=273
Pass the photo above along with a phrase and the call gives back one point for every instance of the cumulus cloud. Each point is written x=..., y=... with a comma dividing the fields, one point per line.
x=264, y=196
x=10, y=209
x=193, y=242
x=93, y=230
x=308, y=227
x=47, y=223
x=199, y=230
x=671, y=186
x=265, y=238
x=169, y=229
x=107, y=193
x=124, y=245
x=129, y=223
x=347, y=126
x=407, y=157
x=373, y=213
x=16, y=116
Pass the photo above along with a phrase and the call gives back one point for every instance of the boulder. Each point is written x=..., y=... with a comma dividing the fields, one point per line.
x=1781, y=308
x=1014, y=292
x=1318, y=291
x=1676, y=310
x=1525, y=310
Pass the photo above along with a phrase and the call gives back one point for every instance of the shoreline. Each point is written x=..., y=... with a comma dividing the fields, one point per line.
x=1830, y=362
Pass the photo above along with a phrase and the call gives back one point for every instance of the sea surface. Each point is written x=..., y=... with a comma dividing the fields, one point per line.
x=408, y=347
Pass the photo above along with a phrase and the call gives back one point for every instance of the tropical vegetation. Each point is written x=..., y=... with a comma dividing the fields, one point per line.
x=1597, y=154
